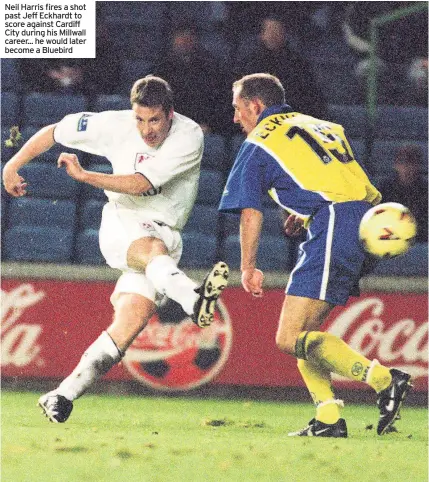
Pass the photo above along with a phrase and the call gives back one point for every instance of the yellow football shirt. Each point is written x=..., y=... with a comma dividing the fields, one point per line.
x=302, y=162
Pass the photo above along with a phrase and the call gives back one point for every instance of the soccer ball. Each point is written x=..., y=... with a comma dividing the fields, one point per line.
x=387, y=230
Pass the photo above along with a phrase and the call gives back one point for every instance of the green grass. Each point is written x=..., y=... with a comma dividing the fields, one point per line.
x=124, y=439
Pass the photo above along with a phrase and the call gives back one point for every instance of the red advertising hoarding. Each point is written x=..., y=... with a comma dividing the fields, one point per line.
x=46, y=326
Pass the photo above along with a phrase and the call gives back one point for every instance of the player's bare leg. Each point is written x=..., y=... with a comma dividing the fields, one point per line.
x=299, y=314
x=132, y=312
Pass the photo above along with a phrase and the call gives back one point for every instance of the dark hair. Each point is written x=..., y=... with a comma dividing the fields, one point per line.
x=275, y=17
x=152, y=91
x=184, y=26
x=265, y=87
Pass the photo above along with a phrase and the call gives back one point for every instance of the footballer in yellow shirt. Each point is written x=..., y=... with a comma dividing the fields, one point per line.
x=307, y=166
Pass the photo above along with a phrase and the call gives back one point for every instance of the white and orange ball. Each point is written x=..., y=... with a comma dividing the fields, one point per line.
x=387, y=230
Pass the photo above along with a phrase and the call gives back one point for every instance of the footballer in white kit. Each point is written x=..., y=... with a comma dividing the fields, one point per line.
x=156, y=156
x=173, y=169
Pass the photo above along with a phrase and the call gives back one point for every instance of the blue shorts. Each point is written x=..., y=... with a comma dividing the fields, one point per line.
x=331, y=260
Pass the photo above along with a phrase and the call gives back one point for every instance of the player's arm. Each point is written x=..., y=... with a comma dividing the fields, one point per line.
x=250, y=231
x=134, y=184
x=43, y=140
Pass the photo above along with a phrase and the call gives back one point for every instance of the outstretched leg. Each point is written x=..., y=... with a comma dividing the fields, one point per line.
x=149, y=255
x=132, y=313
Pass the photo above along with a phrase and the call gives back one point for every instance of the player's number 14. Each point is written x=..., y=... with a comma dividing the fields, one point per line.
x=324, y=144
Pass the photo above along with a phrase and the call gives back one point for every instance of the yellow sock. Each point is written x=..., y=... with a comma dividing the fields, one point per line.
x=318, y=382
x=334, y=355
x=378, y=376
x=329, y=411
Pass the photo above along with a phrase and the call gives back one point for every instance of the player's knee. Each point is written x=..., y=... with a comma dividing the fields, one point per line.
x=286, y=343
x=132, y=312
x=142, y=251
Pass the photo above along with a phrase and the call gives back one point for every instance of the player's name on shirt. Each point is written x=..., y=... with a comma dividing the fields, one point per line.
x=271, y=125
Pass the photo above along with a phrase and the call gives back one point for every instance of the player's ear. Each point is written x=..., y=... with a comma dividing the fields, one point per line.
x=170, y=114
x=258, y=106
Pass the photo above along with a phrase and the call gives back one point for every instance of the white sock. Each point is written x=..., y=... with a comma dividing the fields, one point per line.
x=169, y=280
x=97, y=360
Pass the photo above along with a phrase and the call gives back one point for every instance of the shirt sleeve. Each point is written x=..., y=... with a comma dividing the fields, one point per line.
x=178, y=154
x=86, y=131
x=244, y=187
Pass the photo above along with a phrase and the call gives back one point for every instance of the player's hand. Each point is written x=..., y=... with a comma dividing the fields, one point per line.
x=72, y=165
x=14, y=184
x=293, y=226
x=252, y=279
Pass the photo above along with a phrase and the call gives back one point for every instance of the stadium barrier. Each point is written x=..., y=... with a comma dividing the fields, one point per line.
x=51, y=316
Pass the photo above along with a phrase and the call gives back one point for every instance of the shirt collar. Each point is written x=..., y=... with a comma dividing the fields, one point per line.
x=275, y=109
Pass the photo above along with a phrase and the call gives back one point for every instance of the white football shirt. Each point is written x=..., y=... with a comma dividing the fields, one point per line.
x=173, y=168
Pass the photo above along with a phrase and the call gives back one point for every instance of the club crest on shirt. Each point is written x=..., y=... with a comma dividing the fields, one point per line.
x=141, y=157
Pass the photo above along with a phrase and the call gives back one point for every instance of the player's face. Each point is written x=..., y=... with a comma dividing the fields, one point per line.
x=153, y=123
x=244, y=112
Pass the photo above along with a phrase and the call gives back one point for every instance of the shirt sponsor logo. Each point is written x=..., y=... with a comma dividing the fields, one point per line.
x=147, y=226
x=152, y=192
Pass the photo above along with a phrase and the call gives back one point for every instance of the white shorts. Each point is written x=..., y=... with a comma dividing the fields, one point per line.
x=119, y=228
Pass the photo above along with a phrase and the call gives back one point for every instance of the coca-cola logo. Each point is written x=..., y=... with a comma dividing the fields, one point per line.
x=402, y=343
x=19, y=340
x=172, y=353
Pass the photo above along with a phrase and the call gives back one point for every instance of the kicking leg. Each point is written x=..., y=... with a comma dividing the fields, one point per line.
x=132, y=313
x=150, y=255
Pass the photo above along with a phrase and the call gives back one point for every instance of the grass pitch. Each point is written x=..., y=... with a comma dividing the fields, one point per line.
x=122, y=439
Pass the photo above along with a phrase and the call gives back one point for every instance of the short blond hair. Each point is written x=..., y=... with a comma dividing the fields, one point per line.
x=265, y=87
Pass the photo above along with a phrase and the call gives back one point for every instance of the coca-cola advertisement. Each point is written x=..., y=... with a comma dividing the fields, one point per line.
x=172, y=353
x=47, y=325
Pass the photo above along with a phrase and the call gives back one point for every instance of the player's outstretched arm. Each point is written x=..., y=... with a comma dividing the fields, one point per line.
x=43, y=140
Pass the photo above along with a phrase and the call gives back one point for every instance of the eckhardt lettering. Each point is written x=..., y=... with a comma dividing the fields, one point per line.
x=172, y=353
x=402, y=343
x=19, y=340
